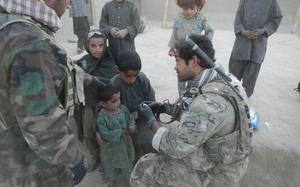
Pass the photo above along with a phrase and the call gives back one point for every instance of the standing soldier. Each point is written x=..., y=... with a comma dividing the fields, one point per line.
x=38, y=147
x=210, y=146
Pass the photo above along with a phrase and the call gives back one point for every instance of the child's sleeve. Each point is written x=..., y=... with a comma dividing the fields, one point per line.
x=135, y=22
x=148, y=90
x=172, y=40
x=104, y=27
x=208, y=30
x=129, y=118
x=107, y=134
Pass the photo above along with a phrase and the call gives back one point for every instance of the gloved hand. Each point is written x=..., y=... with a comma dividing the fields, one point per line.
x=146, y=112
x=157, y=107
x=122, y=33
x=114, y=32
x=79, y=170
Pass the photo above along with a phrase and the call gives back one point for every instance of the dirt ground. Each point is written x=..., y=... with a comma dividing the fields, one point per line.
x=275, y=161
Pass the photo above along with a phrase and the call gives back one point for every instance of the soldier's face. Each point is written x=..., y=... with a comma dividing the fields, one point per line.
x=97, y=47
x=184, y=71
x=59, y=6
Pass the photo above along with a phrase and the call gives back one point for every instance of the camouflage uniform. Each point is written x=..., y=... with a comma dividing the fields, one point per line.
x=36, y=141
x=209, y=147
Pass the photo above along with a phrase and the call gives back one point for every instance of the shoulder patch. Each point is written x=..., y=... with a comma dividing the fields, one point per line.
x=189, y=124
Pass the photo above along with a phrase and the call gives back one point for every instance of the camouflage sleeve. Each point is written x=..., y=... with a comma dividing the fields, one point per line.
x=37, y=73
x=201, y=121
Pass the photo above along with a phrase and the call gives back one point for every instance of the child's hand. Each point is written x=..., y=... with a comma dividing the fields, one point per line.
x=132, y=130
x=114, y=32
x=126, y=133
x=122, y=33
x=99, y=139
x=172, y=52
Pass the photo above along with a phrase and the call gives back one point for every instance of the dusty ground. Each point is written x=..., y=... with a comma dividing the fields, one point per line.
x=275, y=161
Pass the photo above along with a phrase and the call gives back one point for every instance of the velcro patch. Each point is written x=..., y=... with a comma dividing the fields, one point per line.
x=189, y=124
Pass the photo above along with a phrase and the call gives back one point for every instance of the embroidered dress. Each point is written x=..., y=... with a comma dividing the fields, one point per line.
x=118, y=153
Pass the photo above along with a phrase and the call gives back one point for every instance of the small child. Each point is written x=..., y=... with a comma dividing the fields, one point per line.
x=115, y=124
x=135, y=88
x=189, y=21
x=120, y=21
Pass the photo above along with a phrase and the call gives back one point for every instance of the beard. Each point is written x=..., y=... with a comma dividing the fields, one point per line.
x=59, y=7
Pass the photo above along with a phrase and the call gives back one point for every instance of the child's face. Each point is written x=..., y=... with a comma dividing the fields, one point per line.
x=113, y=104
x=190, y=13
x=129, y=77
x=97, y=47
x=119, y=1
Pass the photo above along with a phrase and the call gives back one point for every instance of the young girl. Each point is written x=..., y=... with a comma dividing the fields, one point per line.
x=189, y=21
x=115, y=124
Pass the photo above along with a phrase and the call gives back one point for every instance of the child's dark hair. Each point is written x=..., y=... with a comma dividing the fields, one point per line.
x=129, y=60
x=105, y=93
x=188, y=3
x=185, y=51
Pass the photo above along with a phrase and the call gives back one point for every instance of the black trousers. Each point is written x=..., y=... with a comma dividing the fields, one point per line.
x=81, y=28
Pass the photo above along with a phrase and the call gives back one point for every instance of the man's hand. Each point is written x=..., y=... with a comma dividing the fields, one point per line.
x=172, y=52
x=114, y=32
x=122, y=33
x=79, y=170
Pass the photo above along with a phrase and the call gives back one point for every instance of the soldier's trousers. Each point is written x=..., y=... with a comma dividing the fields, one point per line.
x=44, y=178
x=155, y=170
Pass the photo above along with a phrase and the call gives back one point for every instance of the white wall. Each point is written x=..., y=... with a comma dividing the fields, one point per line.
x=220, y=13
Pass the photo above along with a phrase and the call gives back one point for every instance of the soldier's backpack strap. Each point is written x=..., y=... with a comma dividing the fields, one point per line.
x=240, y=131
x=69, y=95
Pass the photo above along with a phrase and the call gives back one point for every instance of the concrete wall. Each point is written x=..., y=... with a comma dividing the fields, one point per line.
x=220, y=14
